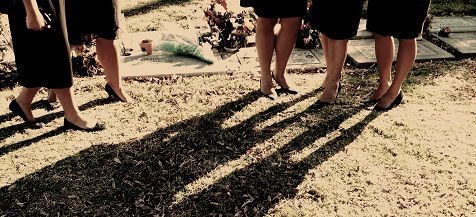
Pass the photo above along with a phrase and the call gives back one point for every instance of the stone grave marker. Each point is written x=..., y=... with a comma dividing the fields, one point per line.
x=300, y=59
x=138, y=64
x=362, y=52
x=465, y=43
x=456, y=24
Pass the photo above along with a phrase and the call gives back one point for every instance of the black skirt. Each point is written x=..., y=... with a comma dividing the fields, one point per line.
x=42, y=57
x=401, y=19
x=337, y=19
x=92, y=18
x=280, y=8
x=4, y=6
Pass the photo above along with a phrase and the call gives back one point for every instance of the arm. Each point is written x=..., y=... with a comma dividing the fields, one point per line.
x=34, y=19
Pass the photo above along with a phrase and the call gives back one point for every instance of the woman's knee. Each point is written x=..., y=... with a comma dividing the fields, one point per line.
x=266, y=24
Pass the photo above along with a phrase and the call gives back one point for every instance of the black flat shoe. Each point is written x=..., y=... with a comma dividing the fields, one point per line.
x=394, y=104
x=70, y=126
x=288, y=90
x=370, y=102
x=16, y=109
x=112, y=93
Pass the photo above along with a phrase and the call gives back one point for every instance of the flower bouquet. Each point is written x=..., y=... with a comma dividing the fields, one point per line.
x=228, y=31
x=308, y=38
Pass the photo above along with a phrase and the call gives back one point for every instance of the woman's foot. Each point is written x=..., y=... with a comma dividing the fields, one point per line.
x=117, y=93
x=330, y=93
x=283, y=84
x=389, y=100
x=81, y=124
x=267, y=90
x=23, y=110
x=323, y=85
x=25, y=114
x=380, y=91
x=51, y=103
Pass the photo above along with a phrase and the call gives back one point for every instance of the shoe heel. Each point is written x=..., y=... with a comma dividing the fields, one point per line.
x=112, y=94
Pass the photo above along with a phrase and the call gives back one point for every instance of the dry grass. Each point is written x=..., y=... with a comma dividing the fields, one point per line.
x=209, y=146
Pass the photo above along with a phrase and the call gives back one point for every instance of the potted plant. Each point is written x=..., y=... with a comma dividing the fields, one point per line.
x=146, y=46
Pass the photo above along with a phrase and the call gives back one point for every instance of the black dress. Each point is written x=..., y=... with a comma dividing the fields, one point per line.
x=337, y=19
x=92, y=18
x=277, y=8
x=401, y=19
x=42, y=57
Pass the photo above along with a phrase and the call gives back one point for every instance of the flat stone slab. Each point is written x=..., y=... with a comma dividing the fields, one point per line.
x=456, y=24
x=300, y=59
x=363, y=51
x=465, y=43
x=159, y=65
x=164, y=64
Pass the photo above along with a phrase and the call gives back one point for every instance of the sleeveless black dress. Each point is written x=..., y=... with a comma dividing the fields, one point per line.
x=337, y=19
x=42, y=57
x=401, y=19
x=88, y=19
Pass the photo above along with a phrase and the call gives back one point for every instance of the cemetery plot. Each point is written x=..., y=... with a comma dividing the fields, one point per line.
x=363, y=51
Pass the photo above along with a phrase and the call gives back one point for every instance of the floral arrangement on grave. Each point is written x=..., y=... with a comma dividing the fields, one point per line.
x=7, y=59
x=228, y=30
x=308, y=38
x=84, y=60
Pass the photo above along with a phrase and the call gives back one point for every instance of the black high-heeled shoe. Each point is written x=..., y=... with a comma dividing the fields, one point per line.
x=321, y=103
x=16, y=110
x=288, y=90
x=70, y=126
x=282, y=90
x=394, y=104
x=112, y=93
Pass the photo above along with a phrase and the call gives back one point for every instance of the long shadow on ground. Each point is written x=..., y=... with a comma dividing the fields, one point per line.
x=11, y=130
x=145, y=8
x=141, y=177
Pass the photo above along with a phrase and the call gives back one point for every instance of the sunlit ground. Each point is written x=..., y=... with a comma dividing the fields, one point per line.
x=210, y=145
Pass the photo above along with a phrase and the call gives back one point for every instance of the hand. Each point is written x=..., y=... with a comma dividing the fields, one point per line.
x=35, y=21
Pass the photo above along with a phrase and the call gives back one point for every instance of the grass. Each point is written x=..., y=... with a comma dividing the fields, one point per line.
x=210, y=146
x=146, y=7
x=453, y=7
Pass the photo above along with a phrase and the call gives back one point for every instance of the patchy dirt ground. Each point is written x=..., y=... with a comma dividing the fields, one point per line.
x=209, y=146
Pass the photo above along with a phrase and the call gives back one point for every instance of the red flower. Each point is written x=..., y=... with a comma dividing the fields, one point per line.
x=222, y=3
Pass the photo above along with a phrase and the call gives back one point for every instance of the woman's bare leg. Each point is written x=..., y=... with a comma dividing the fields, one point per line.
x=384, y=51
x=324, y=42
x=407, y=50
x=285, y=42
x=265, y=41
x=108, y=55
x=337, y=53
x=71, y=111
x=25, y=99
